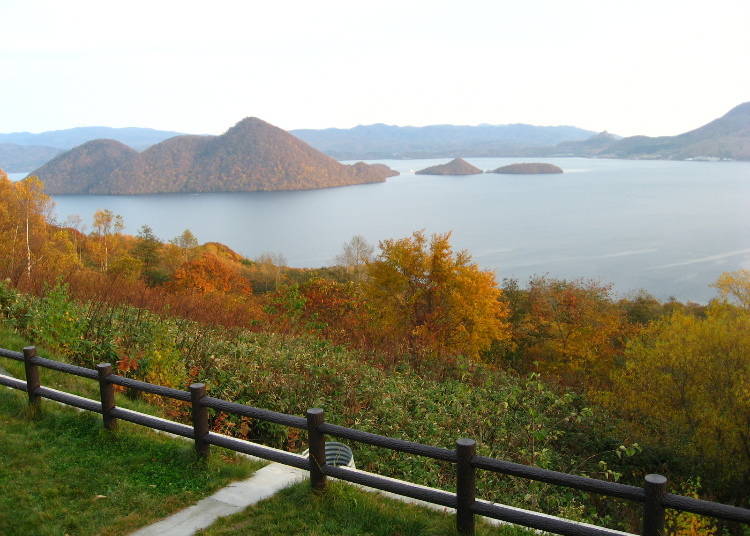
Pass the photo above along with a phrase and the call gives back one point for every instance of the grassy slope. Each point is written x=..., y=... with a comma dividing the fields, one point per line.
x=61, y=473
x=341, y=511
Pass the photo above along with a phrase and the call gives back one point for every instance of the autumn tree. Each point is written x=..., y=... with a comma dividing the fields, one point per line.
x=126, y=267
x=269, y=269
x=186, y=241
x=432, y=300
x=24, y=209
x=686, y=381
x=208, y=273
x=10, y=227
x=105, y=225
x=734, y=287
x=35, y=206
x=355, y=255
x=77, y=228
x=572, y=330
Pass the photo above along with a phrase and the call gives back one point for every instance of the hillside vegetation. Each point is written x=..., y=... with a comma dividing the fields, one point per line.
x=410, y=339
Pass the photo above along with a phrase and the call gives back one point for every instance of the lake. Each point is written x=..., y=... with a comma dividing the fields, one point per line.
x=668, y=227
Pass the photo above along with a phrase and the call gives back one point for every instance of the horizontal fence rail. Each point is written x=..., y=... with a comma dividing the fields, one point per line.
x=256, y=413
x=389, y=443
x=652, y=495
x=602, y=487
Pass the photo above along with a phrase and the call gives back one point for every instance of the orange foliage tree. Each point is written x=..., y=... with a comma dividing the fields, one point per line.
x=425, y=298
x=208, y=273
x=571, y=329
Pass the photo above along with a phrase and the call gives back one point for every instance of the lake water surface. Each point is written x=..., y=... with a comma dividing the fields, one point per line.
x=668, y=227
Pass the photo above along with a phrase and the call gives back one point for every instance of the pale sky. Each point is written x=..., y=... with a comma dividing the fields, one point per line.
x=652, y=67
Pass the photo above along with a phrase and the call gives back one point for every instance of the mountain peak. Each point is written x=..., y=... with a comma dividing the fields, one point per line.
x=250, y=123
x=741, y=109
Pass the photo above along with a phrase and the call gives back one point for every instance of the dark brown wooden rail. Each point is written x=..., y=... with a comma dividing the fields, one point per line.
x=652, y=495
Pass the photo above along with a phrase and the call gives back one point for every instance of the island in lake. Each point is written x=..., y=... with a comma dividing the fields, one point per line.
x=253, y=155
x=457, y=166
x=527, y=168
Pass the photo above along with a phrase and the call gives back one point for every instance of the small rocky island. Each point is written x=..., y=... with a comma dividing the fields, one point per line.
x=527, y=168
x=457, y=166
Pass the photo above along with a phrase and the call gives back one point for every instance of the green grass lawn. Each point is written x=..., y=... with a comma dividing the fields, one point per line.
x=342, y=510
x=62, y=474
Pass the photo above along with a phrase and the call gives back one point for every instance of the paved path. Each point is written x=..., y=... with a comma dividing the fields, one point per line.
x=227, y=501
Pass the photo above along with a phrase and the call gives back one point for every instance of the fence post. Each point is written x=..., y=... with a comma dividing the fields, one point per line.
x=653, y=510
x=200, y=418
x=107, y=395
x=32, y=376
x=465, y=486
x=317, y=448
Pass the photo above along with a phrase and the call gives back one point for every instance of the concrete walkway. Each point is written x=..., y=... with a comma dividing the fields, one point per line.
x=227, y=501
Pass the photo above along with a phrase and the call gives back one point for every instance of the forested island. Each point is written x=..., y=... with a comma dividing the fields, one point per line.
x=527, y=168
x=253, y=155
x=457, y=166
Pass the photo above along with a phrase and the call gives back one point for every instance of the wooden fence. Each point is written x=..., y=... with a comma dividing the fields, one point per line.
x=652, y=495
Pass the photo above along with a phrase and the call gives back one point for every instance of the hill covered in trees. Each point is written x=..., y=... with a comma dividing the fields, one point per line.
x=527, y=168
x=726, y=137
x=457, y=166
x=252, y=155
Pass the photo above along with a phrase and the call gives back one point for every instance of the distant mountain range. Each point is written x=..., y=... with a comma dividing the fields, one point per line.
x=20, y=158
x=22, y=151
x=436, y=141
x=137, y=138
x=727, y=137
x=252, y=155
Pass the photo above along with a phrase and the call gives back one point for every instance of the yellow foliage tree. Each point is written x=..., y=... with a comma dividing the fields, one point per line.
x=735, y=287
x=24, y=208
x=686, y=381
x=428, y=299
